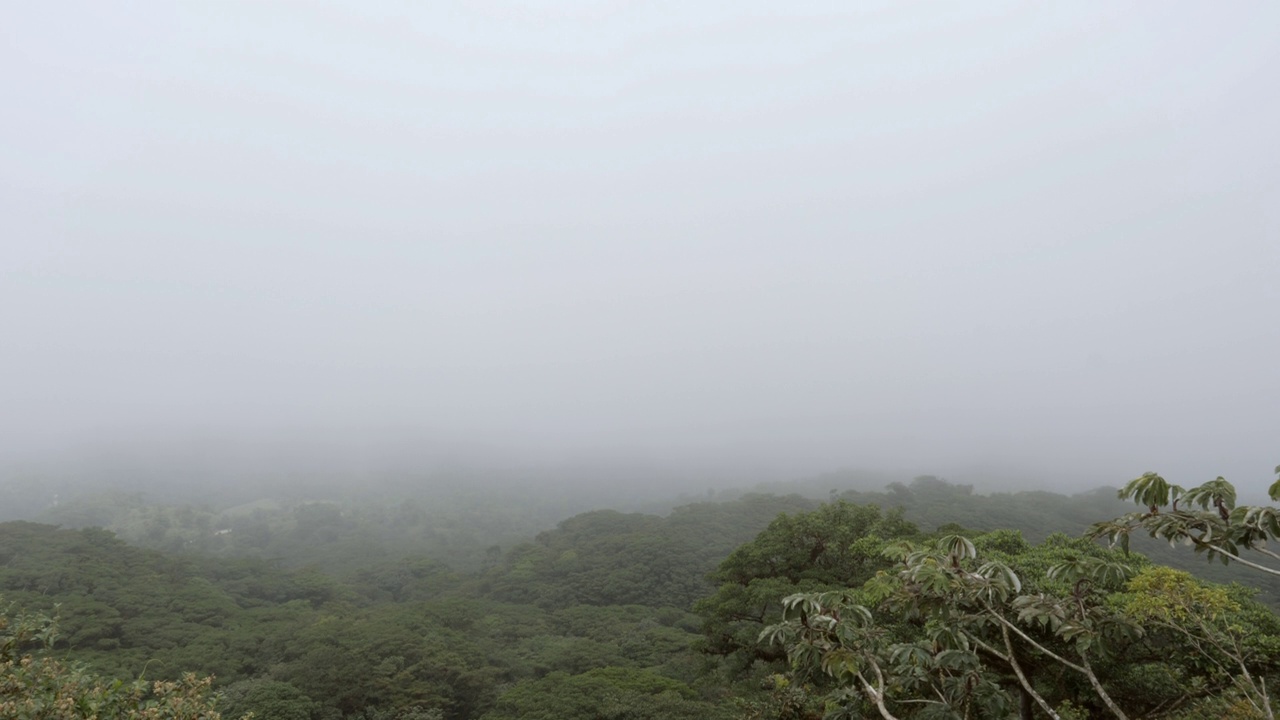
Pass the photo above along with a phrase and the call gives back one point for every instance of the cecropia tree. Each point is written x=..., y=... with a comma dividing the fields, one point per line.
x=1204, y=517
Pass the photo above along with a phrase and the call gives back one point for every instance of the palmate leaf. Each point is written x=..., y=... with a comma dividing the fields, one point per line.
x=780, y=634
x=1262, y=522
x=1096, y=570
x=1113, y=631
x=840, y=662
x=1112, y=573
x=957, y=548
x=956, y=660
x=1150, y=490
x=899, y=550
x=949, y=637
x=910, y=654
x=1076, y=630
x=925, y=575
x=1115, y=531
x=798, y=608
x=1218, y=494
x=1183, y=526
x=1070, y=571
x=861, y=615
x=1001, y=580
x=880, y=587
x=1215, y=551
x=1040, y=609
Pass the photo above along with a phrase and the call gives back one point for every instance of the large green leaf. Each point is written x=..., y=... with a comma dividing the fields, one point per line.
x=1150, y=490
x=1218, y=494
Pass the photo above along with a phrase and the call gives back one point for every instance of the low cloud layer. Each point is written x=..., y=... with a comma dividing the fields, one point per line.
x=988, y=237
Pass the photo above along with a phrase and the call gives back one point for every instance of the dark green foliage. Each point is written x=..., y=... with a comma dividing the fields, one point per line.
x=611, y=558
x=1090, y=628
x=603, y=694
x=267, y=700
x=402, y=637
x=397, y=611
x=412, y=578
x=37, y=685
x=837, y=545
x=932, y=503
x=602, y=558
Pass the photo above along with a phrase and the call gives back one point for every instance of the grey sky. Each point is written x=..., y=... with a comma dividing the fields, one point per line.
x=941, y=236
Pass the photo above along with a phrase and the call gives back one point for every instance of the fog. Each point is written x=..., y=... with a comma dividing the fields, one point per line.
x=1038, y=243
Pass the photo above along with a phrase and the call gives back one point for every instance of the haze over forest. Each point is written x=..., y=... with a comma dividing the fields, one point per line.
x=744, y=241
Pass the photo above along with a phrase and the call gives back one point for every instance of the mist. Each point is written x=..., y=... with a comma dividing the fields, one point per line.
x=708, y=243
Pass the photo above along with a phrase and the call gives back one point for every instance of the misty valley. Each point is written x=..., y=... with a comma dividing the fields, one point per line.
x=838, y=596
x=635, y=360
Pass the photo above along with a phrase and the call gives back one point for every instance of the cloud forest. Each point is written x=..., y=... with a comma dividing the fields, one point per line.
x=742, y=605
x=639, y=360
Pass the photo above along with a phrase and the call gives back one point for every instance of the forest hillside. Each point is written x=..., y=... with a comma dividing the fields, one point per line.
x=324, y=611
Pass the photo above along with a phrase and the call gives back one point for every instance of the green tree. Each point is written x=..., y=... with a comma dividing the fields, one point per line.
x=268, y=700
x=36, y=686
x=1204, y=517
x=1208, y=619
x=834, y=546
x=964, y=628
x=963, y=632
x=603, y=694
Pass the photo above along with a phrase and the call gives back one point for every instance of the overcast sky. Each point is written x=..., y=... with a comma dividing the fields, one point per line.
x=942, y=236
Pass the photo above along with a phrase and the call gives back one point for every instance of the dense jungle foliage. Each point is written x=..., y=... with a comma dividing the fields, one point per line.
x=925, y=600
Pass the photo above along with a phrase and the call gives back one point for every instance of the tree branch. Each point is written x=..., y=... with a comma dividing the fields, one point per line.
x=1005, y=622
x=1013, y=662
x=876, y=694
x=1237, y=558
x=1083, y=667
x=1097, y=687
x=1264, y=551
